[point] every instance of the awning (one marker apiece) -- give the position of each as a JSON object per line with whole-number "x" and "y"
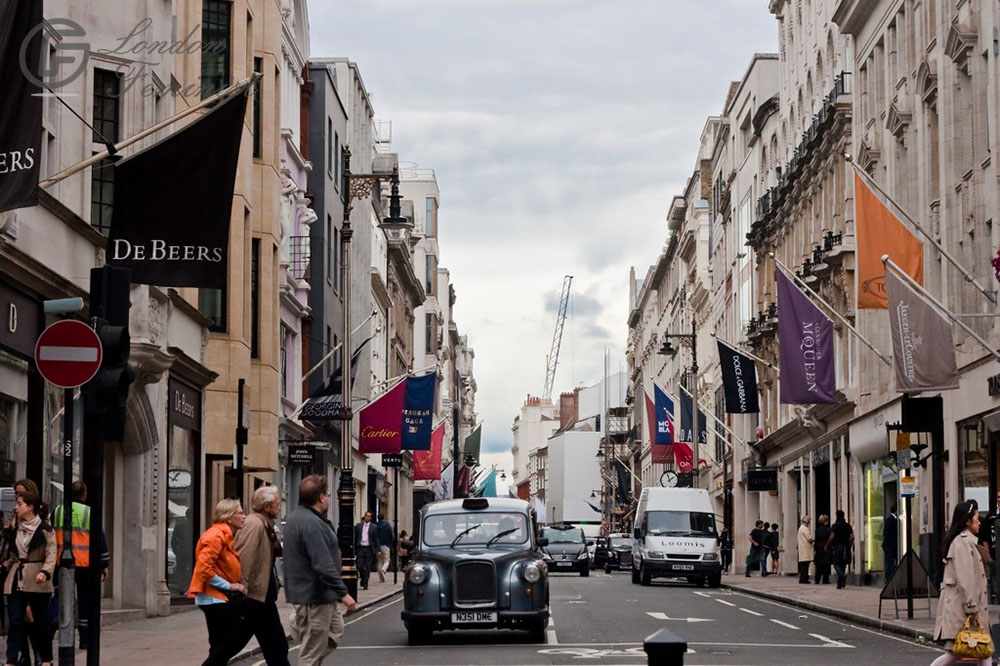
{"x": 869, "y": 438}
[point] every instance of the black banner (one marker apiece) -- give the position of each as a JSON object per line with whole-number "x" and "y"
{"x": 687, "y": 433}
{"x": 173, "y": 202}
{"x": 392, "y": 460}
{"x": 739, "y": 380}
{"x": 20, "y": 103}
{"x": 301, "y": 455}
{"x": 762, "y": 480}
{"x": 326, "y": 402}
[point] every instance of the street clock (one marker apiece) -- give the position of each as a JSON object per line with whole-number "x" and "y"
{"x": 668, "y": 479}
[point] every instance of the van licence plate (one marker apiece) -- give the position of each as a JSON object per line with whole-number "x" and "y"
{"x": 474, "y": 617}
{"x": 683, "y": 567}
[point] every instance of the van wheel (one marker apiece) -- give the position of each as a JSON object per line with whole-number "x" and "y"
{"x": 715, "y": 580}
{"x": 585, "y": 573}
{"x": 644, "y": 577}
{"x": 700, "y": 582}
{"x": 635, "y": 576}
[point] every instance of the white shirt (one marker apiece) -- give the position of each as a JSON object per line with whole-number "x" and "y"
{"x": 364, "y": 533}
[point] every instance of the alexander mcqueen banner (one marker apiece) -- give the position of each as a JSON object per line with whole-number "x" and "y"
{"x": 173, "y": 203}
{"x": 381, "y": 422}
{"x": 923, "y": 351}
{"x": 805, "y": 348}
{"x": 739, "y": 381}
{"x": 418, "y": 410}
{"x": 662, "y": 448}
{"x": 20, "y": 103}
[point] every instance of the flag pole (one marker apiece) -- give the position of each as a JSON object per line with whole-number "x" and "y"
{"x": 817, "y": 297}
{"x": 740, "y": 350}
{"x": 991, "y": 295}
{"x": 720, "y": 423}
{"x": 104, "y": 154}
{"x": 920, "y": 290}
{"x": 333, "y": 350}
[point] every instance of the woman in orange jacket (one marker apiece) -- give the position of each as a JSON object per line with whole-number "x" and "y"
{"x": 216, "y": 579}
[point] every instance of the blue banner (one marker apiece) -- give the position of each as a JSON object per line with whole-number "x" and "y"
{"x": 418, "y": 412}
{"x": 664, "y": 417}
{"x": 687, "y": 435}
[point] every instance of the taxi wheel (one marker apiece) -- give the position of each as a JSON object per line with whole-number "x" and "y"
{"x": 635, "y": 576}
{"x": 416, "y": 635}
{"x": 607, "y": 569}
{"x": 585, "y": 573}
{"x": 536, "y": 634}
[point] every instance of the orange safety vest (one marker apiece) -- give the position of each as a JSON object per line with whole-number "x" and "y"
{"x": 80, "y": 526}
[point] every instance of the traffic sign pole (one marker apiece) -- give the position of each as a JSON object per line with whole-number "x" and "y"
{"x": 66, "y": 562}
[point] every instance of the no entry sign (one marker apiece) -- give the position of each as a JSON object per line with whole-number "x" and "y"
{"x": 68, "y": 353}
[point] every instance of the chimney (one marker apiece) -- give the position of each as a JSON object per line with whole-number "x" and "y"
{"x": 567, "y": 409}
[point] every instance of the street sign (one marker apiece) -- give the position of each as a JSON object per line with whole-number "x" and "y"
{"x": 907, "y": 486}
{"x": 904, "y": 458}
{"x": 392, "y": 460}
{"x": 68, "y": 353}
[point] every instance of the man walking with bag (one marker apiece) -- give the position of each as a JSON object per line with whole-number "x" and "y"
{"x": 312, "y": 574}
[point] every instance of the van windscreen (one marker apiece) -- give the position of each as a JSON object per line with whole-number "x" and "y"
{"x": 680, "y": 523}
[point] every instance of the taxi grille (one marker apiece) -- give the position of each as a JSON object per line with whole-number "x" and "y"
{"x": 474, "y": 583}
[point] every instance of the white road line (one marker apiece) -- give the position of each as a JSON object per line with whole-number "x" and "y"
{"x": 723, "y": 601}
{"x": 703, "y": 594}
{"x": 784, "y": 624}
{"x": 656, "y": 616}
{"x": 830, "y": 641}
{"x": 550, "y": 633}
{"x": 747, "y": 610}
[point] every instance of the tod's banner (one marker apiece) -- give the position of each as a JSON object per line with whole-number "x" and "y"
{"x": 173, "y": 202}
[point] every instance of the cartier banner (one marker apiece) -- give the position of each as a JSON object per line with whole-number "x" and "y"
{"x": 173, "y": 202}
{"x": 20, "y": 104}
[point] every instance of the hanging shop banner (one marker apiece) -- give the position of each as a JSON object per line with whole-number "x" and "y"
{"x": 301, "y": 455}
{"x": 805, "y": 348}
{"x": 427, "y": 464}
{"x": 173, "y": 202}
{"x": 324, "y": 404}
{"x": 381, "y": 422}
{"x": 21, "y": 103}
{"x": 472, "y": 445}
{"x": 662, "y": 417}
{"x": 739, "y": 381}
{"x": 762, "y": 480}
{"x": 418, "y": 411}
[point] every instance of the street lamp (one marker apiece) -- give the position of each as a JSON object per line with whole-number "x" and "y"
{"x": 669, "y": 350}
{"x": 358, "y": 186}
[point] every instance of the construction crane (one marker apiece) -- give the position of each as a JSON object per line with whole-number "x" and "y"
{"x": 553, "y": 358}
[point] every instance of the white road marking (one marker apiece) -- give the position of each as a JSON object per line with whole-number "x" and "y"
{"x": 663, "y": 616}
{"x": 830, "y": 641}
{"x": 747, "y": 610}
{"x": 723, "y": 601}
{"x": 53, "y": 353}
{"x": 703, "y": 594}
{"x": 550, "y": 633}
{"x": 784, "y": 624}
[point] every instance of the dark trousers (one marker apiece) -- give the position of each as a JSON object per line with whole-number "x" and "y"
{"x": 753, "y": 558}
{"x": 840, "y": 562}
{"x": 261, "y": 619}
{"x": 804, "y": 572}
{"x": 890, "y": 563}
{"x": 84, "y": 583}
{"x": 727, "y": 559}
{"x": 822, "y": 573}
{"x": 36, "y": 631}
{"x": 763, "y": 561}
{"x": 365, "y": 563}
{"x": 223, "y": 633}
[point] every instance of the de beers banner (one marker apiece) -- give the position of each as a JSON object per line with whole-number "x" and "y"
{"x": 20, "y": 104}
{"x": 805, "y": 348}
{"x": 922, "y": 348}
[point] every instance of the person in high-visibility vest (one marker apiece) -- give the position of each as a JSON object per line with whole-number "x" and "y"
{"x": 80, "y": 547}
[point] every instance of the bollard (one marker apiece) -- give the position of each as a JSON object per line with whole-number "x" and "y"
{"x": 664, "y": 648}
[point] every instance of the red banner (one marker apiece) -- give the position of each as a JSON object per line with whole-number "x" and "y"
{"x": 381, "y": 422}
{"x": 684, "y": 456}
{"x": 427, "y": 464}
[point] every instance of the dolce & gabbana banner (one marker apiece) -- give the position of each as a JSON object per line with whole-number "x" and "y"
{"x": 20, "y": 104}
{"x": 739, "y": 381}
{"x": 805, "y": 348}
{"x": 173, "y": 202}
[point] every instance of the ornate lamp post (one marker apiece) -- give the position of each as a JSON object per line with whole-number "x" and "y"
{"x": 358, "y": 186}
{"x": 669, "y": 350}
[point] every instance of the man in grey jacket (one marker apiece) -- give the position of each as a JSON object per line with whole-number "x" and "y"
{"x": 312, "y": 574}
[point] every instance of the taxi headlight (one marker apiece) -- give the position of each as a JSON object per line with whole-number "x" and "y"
{"x": 417, "y": 574}
{"x": 582, "y": 556}
{"x": 531, "y": 573}
{"x": 711, "y": 557}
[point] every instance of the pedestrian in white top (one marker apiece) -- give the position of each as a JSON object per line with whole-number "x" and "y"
{"x": 805, "y": 539}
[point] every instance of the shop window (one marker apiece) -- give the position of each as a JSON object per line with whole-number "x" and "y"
{"x": 182, "y": 519}
{"x": 975, "y": 463}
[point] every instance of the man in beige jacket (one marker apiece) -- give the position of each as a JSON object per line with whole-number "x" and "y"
{"x": 258, "y": 546}
{"x": 805, "y": 542}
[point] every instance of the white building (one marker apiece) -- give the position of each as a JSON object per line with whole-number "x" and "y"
{"x": 538, "y": 420}
{"x": 574, "y": 474}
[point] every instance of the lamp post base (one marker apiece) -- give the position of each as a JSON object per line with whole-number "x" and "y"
{"x": 346, "y": 495}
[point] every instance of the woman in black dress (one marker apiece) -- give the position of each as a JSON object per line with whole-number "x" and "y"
{"x": 822, "y": 557}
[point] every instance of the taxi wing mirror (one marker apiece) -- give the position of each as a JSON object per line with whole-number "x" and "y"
{"x": 542, "y": 542}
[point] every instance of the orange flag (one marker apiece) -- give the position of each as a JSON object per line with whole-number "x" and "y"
{"x": 879, "y": 232}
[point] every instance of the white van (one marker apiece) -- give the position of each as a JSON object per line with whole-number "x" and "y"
{"x": 675, "y": 537}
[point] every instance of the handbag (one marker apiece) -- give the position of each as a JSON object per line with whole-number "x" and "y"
{"x": 972, "y": 640}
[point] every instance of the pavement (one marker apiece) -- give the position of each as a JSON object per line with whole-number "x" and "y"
{"x": 604, "y": 619}
{"x": 856, "y": 603}
{"x": 181, "y": 638}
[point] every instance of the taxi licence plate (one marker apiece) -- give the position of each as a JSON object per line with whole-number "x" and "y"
{"x": 564, "y": 564}
{"x": 474, "y": 617}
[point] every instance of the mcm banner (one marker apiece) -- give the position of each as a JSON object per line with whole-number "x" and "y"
{"x": 662, "y": 450}
{"x": 923, "y": 351}
{"x": 173, "y": 201}
{"x": 805, "y": 348}
{"x": 739, "y": 381}
{"x": 21, "y": 102}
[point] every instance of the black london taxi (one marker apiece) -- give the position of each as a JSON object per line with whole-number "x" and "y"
{"x": 476, "y": 565}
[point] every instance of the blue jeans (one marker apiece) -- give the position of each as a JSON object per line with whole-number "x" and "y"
{"x": 763, "y": 561}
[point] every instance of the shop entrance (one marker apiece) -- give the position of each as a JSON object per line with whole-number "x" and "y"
{"x": 821, "y": 483}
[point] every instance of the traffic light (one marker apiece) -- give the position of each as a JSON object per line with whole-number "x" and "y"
{"x": 107, "y": 392}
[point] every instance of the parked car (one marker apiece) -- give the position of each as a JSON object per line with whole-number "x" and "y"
{"x": 566, "y": 549}
{"x": 619, "y": 553}
{"x": 599, "y": 556}
{"x": 476, "y": 565}
{"x": 675, "y": 537}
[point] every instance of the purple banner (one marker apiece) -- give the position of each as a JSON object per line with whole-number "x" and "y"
{"x": 805, "y": 348}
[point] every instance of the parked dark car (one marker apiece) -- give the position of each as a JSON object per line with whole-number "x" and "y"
{"x": 600, "y": 553}
{"x": 476, "y": 565}
{"x": 566, "y": 549}
{"x": 619, "y": 553}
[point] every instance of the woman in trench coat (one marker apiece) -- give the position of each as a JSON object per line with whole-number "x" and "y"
{"x": 963, "y": 587}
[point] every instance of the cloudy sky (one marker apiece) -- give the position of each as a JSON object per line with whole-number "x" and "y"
{"x": 559, "y": 130}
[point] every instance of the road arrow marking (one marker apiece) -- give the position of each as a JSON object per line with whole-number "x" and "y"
{"x": 784, "y": 624}
{"x": 747, "y": 610}
{"x": 829, "y": 642}
{"x": 663, "y": 616}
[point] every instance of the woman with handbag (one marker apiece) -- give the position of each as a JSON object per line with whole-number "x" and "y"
{"x": 963, "y": 608}
{"x": 215, "y": 583}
